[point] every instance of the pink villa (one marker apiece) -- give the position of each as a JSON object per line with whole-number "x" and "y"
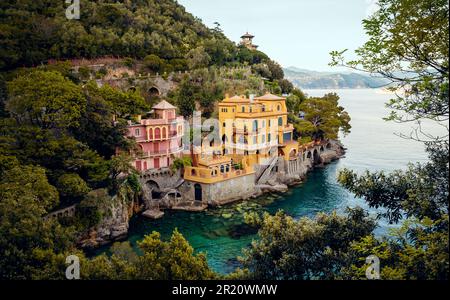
{"x": 159, "y": 138}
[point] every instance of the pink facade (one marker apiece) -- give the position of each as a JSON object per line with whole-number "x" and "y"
{"x": 159, "y": 138}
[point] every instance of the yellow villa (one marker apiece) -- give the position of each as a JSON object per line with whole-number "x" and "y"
{"x": 256, "y": 128}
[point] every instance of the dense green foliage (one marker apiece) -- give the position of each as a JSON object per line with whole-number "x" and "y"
{"x": 317, "y": 248}
{"x": 32, "y": 32}
{"x": 321, "y": 118}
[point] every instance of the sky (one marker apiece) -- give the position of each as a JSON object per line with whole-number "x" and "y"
{"x": 298, "y": 33}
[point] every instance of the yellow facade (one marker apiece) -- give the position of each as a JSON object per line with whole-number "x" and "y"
{"x": 217, "y": 169}
{"x": 256, "y": 128}
{"x": 253, "y": 132}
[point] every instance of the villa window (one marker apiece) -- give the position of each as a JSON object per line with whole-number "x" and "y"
{"x": 263, "y": 108}
{"x": 137, "y": 132}
{"x": 279, "y": 107}
{"x": 280, "y": 121}
{"x": 222, "y": 169}
{"x": 224, "y": 124}
{"x": 227, "y": 168}
{"x": 243, "y": 108}
{"x": 251, "y": 109}
{"x": 269, "y": 137}
{"x": 263, "y": 138}
{"x": 255, "y": 140}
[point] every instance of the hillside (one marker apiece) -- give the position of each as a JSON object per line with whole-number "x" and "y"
{"x": 33, "y": 32}
{"x": 307, "y": 79}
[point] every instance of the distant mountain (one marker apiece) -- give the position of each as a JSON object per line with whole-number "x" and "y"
{"x": 307, "y": 79}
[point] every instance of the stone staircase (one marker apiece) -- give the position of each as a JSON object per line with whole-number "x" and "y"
{"x": 265, "y": 176}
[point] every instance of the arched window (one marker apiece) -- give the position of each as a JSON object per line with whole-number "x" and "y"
{"x": 222, "y": 169}
{"x": 164, "y": 133}
{"x": 280, "y": 121}
{"x": 150, "y": 134}
{"x": 255, "y": 125}
{"x": 243, "y": 108}
{"x": 279, "y": 107}
{"x": 157, "y": 133}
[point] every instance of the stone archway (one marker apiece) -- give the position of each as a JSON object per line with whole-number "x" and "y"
{"x": 309, "y": 155}
{"x": 154, "y": 92}
{"x": 322, "y": 149}
{"x": 153, "y": 187}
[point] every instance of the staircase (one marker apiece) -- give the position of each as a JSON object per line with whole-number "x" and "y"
{"x": 265, "y": 176}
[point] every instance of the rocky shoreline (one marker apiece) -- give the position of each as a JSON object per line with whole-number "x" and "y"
{"x": 115, "y": 225}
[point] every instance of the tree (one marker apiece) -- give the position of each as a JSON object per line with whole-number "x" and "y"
{"x": 186, "y": 98}
{"x": 198, "y": 58}
{"x": 122, "y": 103}
{"x": 154, "y": 63}
{"x": 318, "y": 248}
{"x": 172, "y": 260}
{"x": 72, "y": 187}
{"x": 286, "y": 86}
{"x": 45, "y": 99}
{"x": 276, "y": 70}
{"x": 408, "y": 45}
{"x": 323, "y": 118}
{"x": 97, "y": 127}
{"x": 25, "y": 198}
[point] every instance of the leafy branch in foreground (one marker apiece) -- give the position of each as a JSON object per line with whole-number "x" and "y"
{"x": 408, "y": 44}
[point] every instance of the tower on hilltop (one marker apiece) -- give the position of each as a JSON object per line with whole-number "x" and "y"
{"x": 247, "y": 41}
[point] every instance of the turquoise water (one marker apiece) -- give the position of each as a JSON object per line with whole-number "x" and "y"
{"x": 373, "y": 145}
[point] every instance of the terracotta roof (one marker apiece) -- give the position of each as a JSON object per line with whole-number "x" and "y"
{"x": 236, "y": 99}
{"x": 164, "y": 105}
{"x": 268, "y": 97}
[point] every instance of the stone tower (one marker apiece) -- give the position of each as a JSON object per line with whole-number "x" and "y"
{"x": 247, "y": 41}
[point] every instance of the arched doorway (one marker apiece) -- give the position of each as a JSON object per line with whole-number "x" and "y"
{"x": 154, "y": 92}
{"x": 198, "y": 192}
{"x": 154, "y": 189}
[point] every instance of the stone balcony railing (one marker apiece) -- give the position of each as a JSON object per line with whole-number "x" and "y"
{"x": 165, "y": 152}
{"x": 207, "y": 175}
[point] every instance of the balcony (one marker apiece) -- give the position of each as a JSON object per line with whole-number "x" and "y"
{"x": 252, "y": 147}
{"x": 286, "y": 128}
{"x": 160, "y": 153}
{"x": 207, "y": 175}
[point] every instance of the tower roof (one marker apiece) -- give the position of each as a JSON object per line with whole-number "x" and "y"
{"x": 164, "y": 105}
{"x": 247, "y": 35}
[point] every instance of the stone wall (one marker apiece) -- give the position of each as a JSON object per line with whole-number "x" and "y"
{"x": 220, "y": 193}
